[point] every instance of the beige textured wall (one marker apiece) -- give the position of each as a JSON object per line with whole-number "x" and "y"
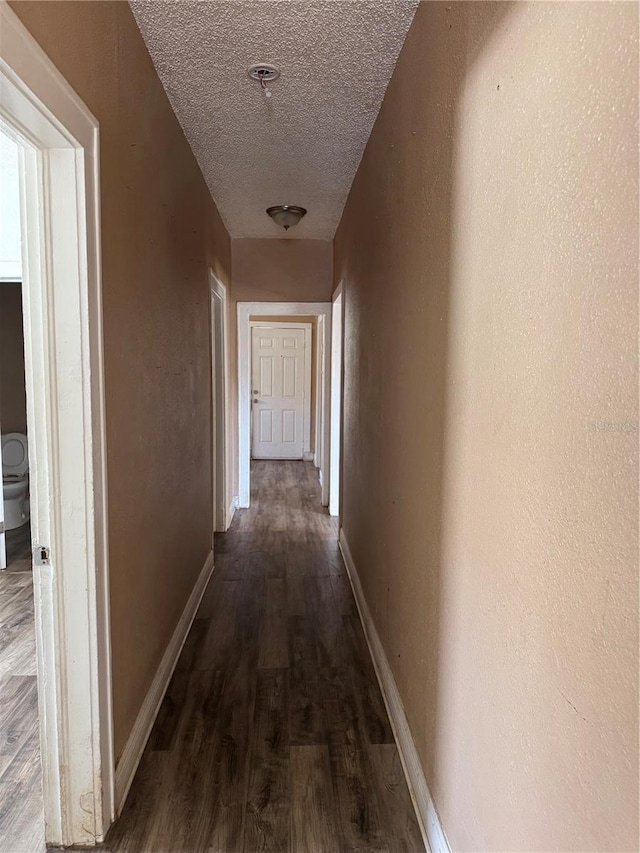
{"x": 489, "y": 252}
{"x": 282, "y": 270}
{"x": 13, "y": 402}
{"x": 160, "y": 231}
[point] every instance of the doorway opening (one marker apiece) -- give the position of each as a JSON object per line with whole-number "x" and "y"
{"x": 318, "y": 314}
{"x": 58, "y": 166}
{"x": 15, "y": 532}
{"x": 22, "y": 828}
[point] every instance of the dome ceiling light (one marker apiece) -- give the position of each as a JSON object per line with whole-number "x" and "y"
{"x": 286, "y": 214}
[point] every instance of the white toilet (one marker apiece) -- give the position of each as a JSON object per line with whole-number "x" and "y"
{"x": 15, "y": 479}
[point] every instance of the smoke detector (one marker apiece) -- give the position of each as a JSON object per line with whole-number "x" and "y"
{"x": 264, "y": 72}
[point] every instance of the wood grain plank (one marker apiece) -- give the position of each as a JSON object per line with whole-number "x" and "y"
{"x": 18, "y": 701}
{"x": 268, "y": 800}
{"x": 394, "y": 800}
{"x": 173, "y": 702}
{"x": 374, "y": 714}
{"x": 307, "y": 724}
{"x": 313, "y": 808}
{"x": 274, "y": 653}
{"x": 216, "y": 647}
{"x": 326, "y": 620}
{"x": 343, "y": 595}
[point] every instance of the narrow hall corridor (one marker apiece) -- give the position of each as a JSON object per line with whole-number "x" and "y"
{"x": 273, "y": 735}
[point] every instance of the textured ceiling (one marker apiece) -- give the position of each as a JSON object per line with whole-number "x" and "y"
{"x": 303, "y": 145}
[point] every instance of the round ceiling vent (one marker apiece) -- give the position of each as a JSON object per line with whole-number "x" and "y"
{"x": 264, "y": 72}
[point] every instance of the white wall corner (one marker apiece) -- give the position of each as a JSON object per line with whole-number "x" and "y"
{"x": 231, "y": 511}
{"x": 134, "y": 747}
{"x": 430, "y": 826}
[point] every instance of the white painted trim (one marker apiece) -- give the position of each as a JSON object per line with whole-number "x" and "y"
{"x": 324, "y": 383}
{"x": 317, "y": 455}
{"x": 232, "y": 510}
{"x": 308, "y": 456}
{"x": 220, "y": 426}
{"x": 64, "y": 374}
{"x": 430, "y": 826}
{"x": 308, "y": 337}
{"x": 256, "y": 309}
{"x": 134, "y": 747}
{"x": 337, "y": 338}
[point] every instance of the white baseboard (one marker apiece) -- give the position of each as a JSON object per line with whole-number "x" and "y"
{"x": 430, "y": 826}
{"x": 233, "y": 506}
{"x": 134, "y": 747}
{"x": 308, "y": 456}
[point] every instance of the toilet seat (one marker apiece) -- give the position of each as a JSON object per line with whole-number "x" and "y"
{"x": 15, "y": 456}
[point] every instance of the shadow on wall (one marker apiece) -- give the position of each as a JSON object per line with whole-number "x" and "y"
{"x": 485, "y": 524}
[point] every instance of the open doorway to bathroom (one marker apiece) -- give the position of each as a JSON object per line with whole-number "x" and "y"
{"x": 15, "y": 529}
{"x": 56, "y": 732}
{"x": 21, "y": 802}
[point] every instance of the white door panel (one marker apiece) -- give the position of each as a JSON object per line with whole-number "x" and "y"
{"x": 278, "y": 398}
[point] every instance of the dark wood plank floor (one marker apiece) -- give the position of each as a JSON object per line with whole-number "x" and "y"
{"x": 273, "y": 735}
{"x": 21, "y": 807}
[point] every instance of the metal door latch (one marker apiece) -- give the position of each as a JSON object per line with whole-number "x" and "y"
{"x": 41, "y": 556}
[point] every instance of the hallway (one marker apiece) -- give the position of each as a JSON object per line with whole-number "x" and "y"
{"x": 273, "y": 734}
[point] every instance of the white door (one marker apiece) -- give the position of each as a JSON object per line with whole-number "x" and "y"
{"x": 278, "y": 393}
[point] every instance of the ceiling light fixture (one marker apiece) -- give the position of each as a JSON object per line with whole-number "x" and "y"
{"x": 286, "y": 214}
{"x": 265, "y": 73}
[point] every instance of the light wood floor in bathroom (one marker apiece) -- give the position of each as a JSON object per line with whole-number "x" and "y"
{"x": 273, "y": 735}
{"x": 21, "y": 809}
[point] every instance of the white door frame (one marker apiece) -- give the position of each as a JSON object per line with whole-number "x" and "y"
{"x": 65, "y": 415}
{"x": 223, "y": 506}
{"x": 306, "y": 415}
{"x": 337, "y": 338}
{"x": 317, "y": 449}
{"x": 246, "y": 310}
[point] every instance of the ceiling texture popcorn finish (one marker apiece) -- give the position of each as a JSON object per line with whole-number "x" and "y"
{"x": 303, "y": 145}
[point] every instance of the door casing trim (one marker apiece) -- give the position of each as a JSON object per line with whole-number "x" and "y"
{"x": 64, "y": 371}
{"x": 337, "y": 356}
{"x": 220, "y": 428}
